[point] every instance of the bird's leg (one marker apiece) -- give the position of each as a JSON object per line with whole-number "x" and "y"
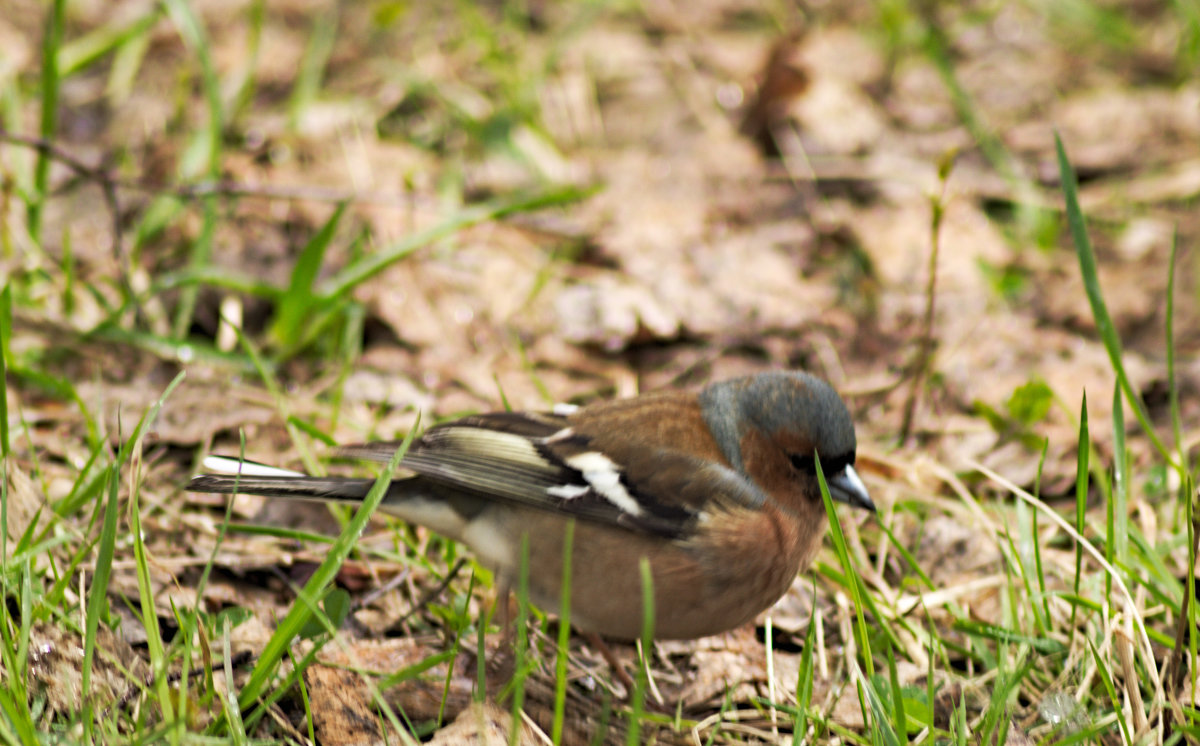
{"x": 501, "y": 664}
{"x": 504, "y": 599}
{"x": 613, "y": 662}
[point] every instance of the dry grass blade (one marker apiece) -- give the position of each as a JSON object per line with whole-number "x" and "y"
{"x": 1132, "y": 610}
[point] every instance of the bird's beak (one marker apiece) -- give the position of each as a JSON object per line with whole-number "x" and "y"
{"x": 846, "y": 487}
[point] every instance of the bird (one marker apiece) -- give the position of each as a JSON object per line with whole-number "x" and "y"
{"x": 716, "y": 489}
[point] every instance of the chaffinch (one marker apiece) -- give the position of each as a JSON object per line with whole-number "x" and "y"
{"x": 717, "y": 489}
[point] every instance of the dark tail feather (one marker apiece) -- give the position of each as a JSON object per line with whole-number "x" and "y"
{"x": 312, "y": 488}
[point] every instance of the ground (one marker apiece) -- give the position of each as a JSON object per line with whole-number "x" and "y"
{"x": 337, "y": 221}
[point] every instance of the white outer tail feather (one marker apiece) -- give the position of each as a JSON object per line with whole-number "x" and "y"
{"x": 226, "y": 465}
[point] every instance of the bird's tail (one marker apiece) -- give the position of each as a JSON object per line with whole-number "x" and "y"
{"x": 413, "y": 500}
{"x": 250, "y": 478}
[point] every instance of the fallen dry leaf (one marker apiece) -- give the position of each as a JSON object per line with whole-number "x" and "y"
{"x": 56, "y": 668}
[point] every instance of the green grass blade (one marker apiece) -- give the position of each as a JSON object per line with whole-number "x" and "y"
{"x": 1193, "y": 616}
{"x": 879, "y": 726}
{"x": 1091, "y": 283}
{"x": 1106, "y": 678}
{"x": 222, "y": 531}
{"x": 900, "y": 719}
{"x": 273, "y": 652}
{"x": 310, "y": 430}
{"x": 938, "y": 49}
{"x": 85, "y": 51}
{"x": 481, "y": 626}
{"x": 641, "y": 683}
{"x": 804, "y": 678}
{"x": 173, "y": 350}
{"x": 6, "y": 326}
{"x": 960, "y": 729}
{"x": 522, "y": 646}
{"x": 1081, "y": 490}
{"x": 16, "y": 710}
{"x": 1016, "y": 562}
{"x": 5, "y": 335}
{"x": 1037, "y": 544}
{"x": 51, "y": 43}
{"x": 126, "y": 63}
{"x": 857, "y": 593}
{"x": 1043, "y": 645}
{"x": 564, "y": 638}
{"x": 98, "y": 593}
{"x": 242, "y": 79}
{"x": 217, "y": 277}
{"x": 415, "y": 670}
{"x": 149, "y": 615}
{"x": 291, "y": 534}
{"x": 909, "y": 559}
{"x": 312, "y": 68}
{"x": 26, "y": 619}
{"x": 282, "y": 405}
{"x": 186, "y": 624}
{"x": 192, "y": 32}
{"x": 1172, "y": 383}
{"x": 297, "y": 303}
{"x": 1117, "y": 546}
{"x": 997, "y": 714}
{"x": 372, "y": 264}
{"x": 229, "y": 707}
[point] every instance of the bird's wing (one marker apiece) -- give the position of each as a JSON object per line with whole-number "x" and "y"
{"x": 542, "y": 461}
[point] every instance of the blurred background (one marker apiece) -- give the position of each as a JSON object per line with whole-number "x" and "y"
{"x": 337, "y": 217}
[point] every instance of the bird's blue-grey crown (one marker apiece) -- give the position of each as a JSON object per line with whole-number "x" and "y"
{"x": 777, "y": 401}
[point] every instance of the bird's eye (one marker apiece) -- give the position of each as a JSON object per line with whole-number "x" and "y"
{"x": 803, "y": 463}
{"x": 807, "y": 464}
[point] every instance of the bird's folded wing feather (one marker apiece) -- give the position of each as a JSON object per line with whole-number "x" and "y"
{"x": 540, "y": 461}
